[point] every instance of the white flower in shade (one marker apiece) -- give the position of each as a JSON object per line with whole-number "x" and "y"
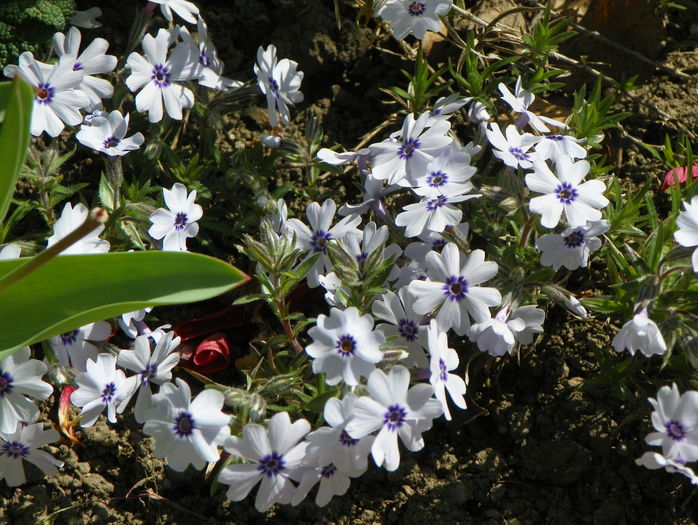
{"x": 478, "y": 114}
{"x": 58, "y": 98}
{"x": 444, "y": 107}
{"x": 403, "y": 324}
{"x": 572, "y": 247}
{"x": 108, "y": 135}
{"x": 453, "y": 289}
{"x": 519, "y": 101}
{"x": 414, "y": 16}
{"x": 178, "y": 223}
{"x": 374, "y": 191}
{"x": 156, "y": 76}
{"x": 499, "y": 334}
{"x": 87, "y": 19}
{"x": 512, "y": 150}
{"x": 372, "y": 239}
{"x": 675, "y": 419}
{"x": 653, "y": 460}
{"x": 275, "y": 457}
{"x": 92, "y": 61}
{"x": 314, "y": 239}
{"x": 533, "y": 318}
{"x": 432, "y": 214}
{"x": 431, "y": 241}
{"x": 280, "y": 81}
{"x": 555, "y": 146}
{"x": 333, "y": 481}
{"x": 102, "y": 386}
{"x": 75, "y": 348}
{"x": 10, "y": 251}
{"x": 20, "y": 376}
{"x": 394, "y": 411}
{"x": 687, "y": 233}
{"x": 279, "y": 218}
{"x": 442, "y": 360}
{"x": 184, "y": 9}
{"x": 345, "y": 346}
{"x": 403, "y": 161}
{"x": 447, "y": 174}
{"x": 151, "y": 367}
{"x": 581, "y": 201}
{"x": 640, "y": 333}
{"x": 22, "y": 444}
{"x": 185, "y": 431}
{"x": 71, "y": 218}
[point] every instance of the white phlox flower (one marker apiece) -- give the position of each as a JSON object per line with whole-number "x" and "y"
{"x": 58, "y": 99}
{"x": 403, "y": 161}
{"x": 372, "y": 238}
{"x": 653, "y": 460}
{"x": 675, "y": 419}
{"x": 155, "y": 76}
{"x": 23, "y": 444}
{"x": 687, "y": 233}
{"x": 403, "y": 324}
{"x": 512, "y": 150}
{"x": 533, "y": 318}
{"x": 92, "y": 61}
{"x": 280, "y": 81}
{"x": 374, "y": 191}
{"x": 186, "y": 10}
{"x": 132, "y": 324}
{"x": 453, "y": 289}
{"x": 432, "y": 214}
{"x": 10, "y": 251}
{"x": 640, "y": 333}
{"x": 444, "y": 107}
{"x": 187, "y": 431}
{"x": 279, "y": 218}
{"x": 71, "y": 218}
{"x": 581, "y": 201}
{"x": 314, "y": 239}
{"x": 431, "y": 241}
{"x": 448, "y": 174}
{"x": 499, "y": 334}
{"x": 108, "y": 135}
{"x": 572, "y": 247}
{"x": 394, "y": 411}
{"x": 178, "y": 223}
{"x": 276, "y": 456}
{"x": 87, "y": 19}
{"x": 20, "y": 377}
{"x": 519, "y": 101}
{"x": 555, "y": 146}
{"x": 75, "y": 348}
{"x": 102, "y": 386}
{"x": 151, "y": 367}
{"x": 414, "y": 16}
{"x": 345, "y": 346}
{"x": 478, "y": 114}
{"x": 442, "y": 360}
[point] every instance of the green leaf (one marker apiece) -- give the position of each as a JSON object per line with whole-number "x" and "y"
{"x": 73, "y": 290}
{"x": 16, "y": 105}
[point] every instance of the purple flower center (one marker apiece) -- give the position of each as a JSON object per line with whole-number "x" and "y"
{"x": 271, "y": 464}
{"x": 5, "y": 383}
{"x": 566, "y": 193}
{"x": 574, "y": 239}
{"x": 346, "y": 440}
{"x": 555, "y": 137}
{"x": 394, "y": 417}
{"x": 148, "y": 373}
{"x": 328, "y": 471}
{"x": 438, "y": 244}
{"x": 77, "y": 66}
{"x": 416, "y": 8}
{"x": 111, "y": 142}
{"x": 518, "y": 154}
{"x": 437, "y": 178}
{"x": 180, "y": 221}
{"x": 675, "y": 430}
{"x": 273, "y": 87}
{"x": 69, "y": 338}
{"x": 183, "y": 425}
{"x": 44, "y": 93}
{"x": 443, "y": 371}
{"x": 455, "y": 288}
{"x": 408, "y": 329}
{"x": 438, "y": 202}
{"x": 319, "y": 241}
{"x": 346, "y": 345}
{"x": 161, "y": 75}
{"x": 14, "y": 449}
{"x": 408, "y": 148}
{"x": 108, "y": 393}
{"x": 203, "y": 58}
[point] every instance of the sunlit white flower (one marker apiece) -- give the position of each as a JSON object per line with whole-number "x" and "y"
{"x": 499, "y": 334}
{"x": 572, "y": 247}
{"x": 403, "y": 324}
{"x": 333, "y": 480}
{"x": 581, "y": 201}
{"x": 275, "y": 457}
{"x": 448, "y": 174}
{"x": 432, "y": 214}
{"x": 75, "y": 348}
{"x": 453, "y": 289}
{"x": 280, "y": 81}
{"x": 58, "y": 98}
{"x": 102, "y": 386}
{"x": 519, "y": 101}
{"x": 512, "y": 150}
{"x": 185, "y": 431}
{"x": 108, "y": 135}
{"x": 533, "y": 318}
{"x": 20, "y": 376}
{"x": 675, "y": 419}
{"x": 640, "y": 333}
{"x": 653, "y": 460}
{"x": 555, "y": 146}
{"x": 184, "y": 9}
{"x": 132, "y": 323}
{"x": 373, "y": 239}
{"x": 687, "y": 233}
{"x": 156, "y": 76}
{"x": 444, "y": 107}
{"x": 22, "y": 444}
{"x": 345, "y": 346}
{"x": 10, "y": 251}
{"x": 178, "y": 223}
{"x": 478, "y": 114}
{"x": 442, "y": 360}
{"x": 414, "y": 16}
{"x": 92, "y": 61}
{"x": 394, "y": 410}
{"x": 71, "y": 218}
